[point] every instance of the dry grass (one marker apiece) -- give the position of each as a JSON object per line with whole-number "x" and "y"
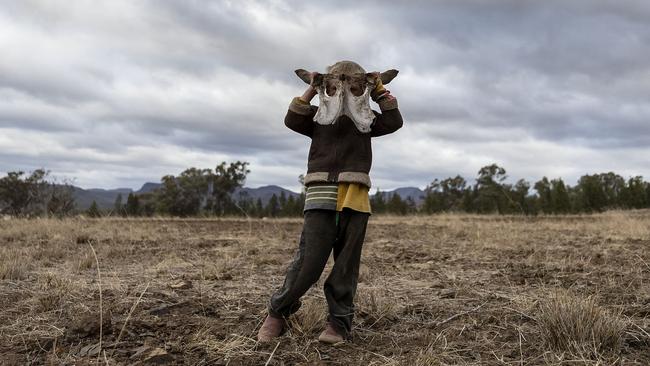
{"x": 375, "y": 306}
{"x": 310, "y": 319}
{"x": 52, "y": 291}
{"x": 13, "y": 266}
{"x": 438, "y": 353}
{"x": 433, "y": 290}
{"x": 579, "y": 327}
{"x": 232, "y": 346}
{"x": 220, "y": 268}
{"x": 87, "y": 261}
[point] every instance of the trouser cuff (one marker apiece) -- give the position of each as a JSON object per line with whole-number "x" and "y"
{"x": 285, "y": 312}
{"x": 340, "y": 327}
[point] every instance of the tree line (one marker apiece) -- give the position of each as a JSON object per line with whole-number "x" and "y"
{"x": 210, "y": 192}
{"x": 36, "y": 194}
{"x": 203, "y": 192}
{"x": 490, "y": 194}
{"x": 194, "y": 192}
{"x": 158, "y": 203}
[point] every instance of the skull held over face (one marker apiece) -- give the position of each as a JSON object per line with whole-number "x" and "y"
{"x": 345, "y": 90}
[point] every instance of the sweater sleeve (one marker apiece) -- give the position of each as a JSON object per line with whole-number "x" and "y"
{"x": 300, "y": 117}
{"x": 386, "y": 122}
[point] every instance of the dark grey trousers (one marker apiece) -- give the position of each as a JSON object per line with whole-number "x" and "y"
{"x": 322, "y": 234}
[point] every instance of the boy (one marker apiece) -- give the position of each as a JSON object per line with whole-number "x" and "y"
{"x": 337, "y": 183}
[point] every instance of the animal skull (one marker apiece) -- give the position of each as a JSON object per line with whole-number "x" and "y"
{"x": 345, "y": 90}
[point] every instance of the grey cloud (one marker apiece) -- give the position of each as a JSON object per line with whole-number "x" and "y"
{"x": 106, "y": 81}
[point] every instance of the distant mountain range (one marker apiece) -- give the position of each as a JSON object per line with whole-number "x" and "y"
{"x": 105, "y": 198}
{"x": 416, "y": 194}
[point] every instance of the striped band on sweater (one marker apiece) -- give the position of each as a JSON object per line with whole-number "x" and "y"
{"x": 321, "y": 196}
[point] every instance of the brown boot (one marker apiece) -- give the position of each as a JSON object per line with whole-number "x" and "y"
{"x": 271, "y": 328}
{"x": 330, "y": 335}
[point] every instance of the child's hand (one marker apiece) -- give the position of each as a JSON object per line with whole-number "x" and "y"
{"x": 311, "y": 92}
{"x": 379, "y": 89}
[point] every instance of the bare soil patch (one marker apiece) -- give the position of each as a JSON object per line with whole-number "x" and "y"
{"x": 434, "y": 290}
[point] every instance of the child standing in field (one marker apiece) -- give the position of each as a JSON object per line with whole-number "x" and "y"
{"x": 337, "y": 183}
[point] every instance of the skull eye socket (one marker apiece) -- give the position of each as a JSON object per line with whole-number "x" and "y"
{"x": 355, "y": 84}
{"x": 357, "y": 88}
{"x": 330, "y": 87}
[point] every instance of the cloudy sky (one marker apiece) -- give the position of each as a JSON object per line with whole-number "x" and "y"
{"x": 117, "y": 93}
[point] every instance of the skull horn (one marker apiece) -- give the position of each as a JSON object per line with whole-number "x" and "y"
{"x": 304, "y": 75}
{"x": 388, "y": 76}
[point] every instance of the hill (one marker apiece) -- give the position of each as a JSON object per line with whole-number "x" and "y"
{"x": 105, "y": 198}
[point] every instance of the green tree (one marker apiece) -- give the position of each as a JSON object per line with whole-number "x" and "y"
{"x": 132, "y": 205}
{"x": 453, "y": 190}
{"x": 225, "y": 180}
{"x": 490, "y": 193}
{"x": 33, "y": 195}
{"x": 635, "y": 193}
{"x": 592, "y": 195}
{"x": 194, "y": 186}
{"x": 299, "y": 204}
{"x": 245, "y": 204}
{"x": 259, "y": 208}
{"x": 187, "y": 194}
{"x": 169, "y": 197}
{"x": 23, "y": 196}
{"x": 273, "y": 206}
{"x": 560, "y": 200}
{"x": 377, "y": 202}
{"x": 518, "y": 197}
{"x": 93, "y": 210}
{"x": 60, "y": 200}
{"x": 612, "y": 184}
{"x": 290, "y": 208}
{"x": 434, "y": 200}
{"x": 544, "y": 198}
{"x": 147, "y": 203}
{"x": 411, "y": 206}
{"x": 396, "y": 205}
{"x": 445, "y": 195}
{"x": 118, "y": 207}
{"x": 282, "y": 202}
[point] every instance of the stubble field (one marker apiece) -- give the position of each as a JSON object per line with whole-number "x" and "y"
{"x": 433, "y": 290}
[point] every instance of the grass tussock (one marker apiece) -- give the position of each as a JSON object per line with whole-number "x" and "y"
{"x": 87, "y": 261}
{"x": 437, "y": 352}
{"x": 310, "y": 319}
{"x": 579, "y": 327}
{"x": 219, "y": 269}
{"x": 13, "y": 266}
{"x": 52, "y": 289}
{"x": 375, "y": 306}
{"x": 223, "y": 347}
{"x": 623, "y": 224}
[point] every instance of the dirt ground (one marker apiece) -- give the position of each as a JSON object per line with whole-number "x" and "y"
{"x": 433, "y": 290}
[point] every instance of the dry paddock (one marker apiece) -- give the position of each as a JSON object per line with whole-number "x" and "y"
{"x": 433, "y": 290}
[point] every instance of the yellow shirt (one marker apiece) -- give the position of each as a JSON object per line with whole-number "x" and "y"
{"x": 353, "y": 196}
